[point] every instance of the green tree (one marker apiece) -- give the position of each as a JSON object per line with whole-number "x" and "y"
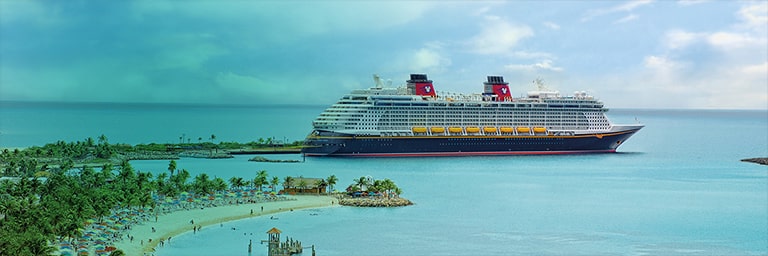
{"x": 274, "y": 182}
{"x": 331, "y": 180}
{"x": 363, "y": 183}
{"x": 236, "y": 182}
{"x": 319, "y": 184}
{"x": 261, "y": 179}
{"x": 172, "y": 167}
{"x": 288, "y": 182}
{"x": 202, "y": 184}
{"x": 219, "y": 184}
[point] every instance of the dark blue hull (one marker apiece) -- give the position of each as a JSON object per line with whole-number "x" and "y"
{"x": 336, "y": 144}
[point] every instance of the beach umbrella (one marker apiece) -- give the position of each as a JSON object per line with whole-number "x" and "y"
{"x": 110, "y": 248}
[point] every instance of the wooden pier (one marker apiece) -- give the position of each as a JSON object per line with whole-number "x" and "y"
{"x": 277, "y": 248}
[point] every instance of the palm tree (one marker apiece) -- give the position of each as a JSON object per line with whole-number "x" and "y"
{"x": 288, "y": 183}
{"x": 172, "y": 167}
{"x": 275, "y": 180}
{"x": 213, "y": 137}
{"x": 331, "y": 180}
{"x": 219, "y": 184}
{"x": 180, "y": 179}
{"x": 103, "y": 139}
{"x": 363, "y": 182}
{"x": 236, "y": 182}
{"x": 319, "y": 184}
{"x": 261, "y": 179}
{"x": 202, "y": 184}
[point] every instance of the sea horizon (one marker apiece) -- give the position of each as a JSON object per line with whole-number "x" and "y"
{"x": 677, "y": 187}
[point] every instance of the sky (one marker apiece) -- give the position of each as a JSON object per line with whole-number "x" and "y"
{"x": 629, "y": 54}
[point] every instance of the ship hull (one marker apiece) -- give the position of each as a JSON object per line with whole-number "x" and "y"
{"x": 324, "y": 143}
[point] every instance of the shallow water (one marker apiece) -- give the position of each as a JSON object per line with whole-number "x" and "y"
{"x": 676, "y": 188}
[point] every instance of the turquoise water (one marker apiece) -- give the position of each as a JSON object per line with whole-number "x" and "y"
{"x": 676, "y": 188}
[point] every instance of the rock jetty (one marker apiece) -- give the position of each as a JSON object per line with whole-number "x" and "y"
{"x": 374, "y": 202}
{"x": 759, "y": 160}
{"x": 264, "y": 159}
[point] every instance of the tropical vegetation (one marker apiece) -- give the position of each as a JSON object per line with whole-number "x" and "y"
{"x": 35, "y": 211}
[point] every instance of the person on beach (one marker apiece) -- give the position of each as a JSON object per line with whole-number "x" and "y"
{"x": 153, "y": 229}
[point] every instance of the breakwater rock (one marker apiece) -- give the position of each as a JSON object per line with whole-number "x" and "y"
{"x": 205, "y": 154}
{"x": 147, "y": 155}
{"x": 759, "y": 160}
{"x": 264, "y": 159}
{"x": 374, "y": 202}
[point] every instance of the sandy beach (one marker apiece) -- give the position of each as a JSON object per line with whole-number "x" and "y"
{"x": 178, "y": 222}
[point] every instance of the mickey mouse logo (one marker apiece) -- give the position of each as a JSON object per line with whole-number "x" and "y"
{"x": 504, "y": 91}
{"x": 427, "y": 89}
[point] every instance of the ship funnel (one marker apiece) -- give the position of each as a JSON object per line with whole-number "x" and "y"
{"x": 420, "y": 85}
{"x": 497, "y": 89}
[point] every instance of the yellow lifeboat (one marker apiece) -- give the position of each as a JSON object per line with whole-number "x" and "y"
{"x": 455, "y": 129}
{"x": 419, "y": 129}
{"x": 437, "y": 129}
{"x": 473, "y": 129}
{"x": 539, "y": 129}
{"x": 521, "y": 129}
{"x": 506, "y": 129}
{"x": 489, "y": 129}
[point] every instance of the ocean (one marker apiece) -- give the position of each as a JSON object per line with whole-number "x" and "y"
{"x": 677, "y": 187}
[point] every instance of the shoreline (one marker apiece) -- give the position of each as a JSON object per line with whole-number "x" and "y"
{"x": 177, "y": 223}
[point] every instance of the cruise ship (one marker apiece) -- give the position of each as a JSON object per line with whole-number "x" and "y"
{"x": 416, "y": 120}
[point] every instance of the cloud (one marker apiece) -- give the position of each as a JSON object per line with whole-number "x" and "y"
{"x": 625, "y": 7}
{"x": 542, "y": 65}
{"x": 625, "y": 19}
{"x": 498, "y": 36}
{"x": 676, "y": 39}
{"x": 551, "y": 25}
{"x": 754, "y": 16}
{"x": 428, "y": 59}
{"x": 691, "y": 2}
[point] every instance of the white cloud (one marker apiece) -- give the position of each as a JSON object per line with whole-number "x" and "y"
{"x": 677, "y": 39}
{"x": 755, "y": 16}
{"x": 627, "y": 18}
{"x": 532, "y": 55}
{"x": 661, "y": 63}
{"x": 625, "y": 7}
{"x": 498, "y": 36}
{"x": 428, "y": 59}
{"x": 691, "y": 2}
{"x": 730, "y": 40}
{"x": 551, "y": 25}
{"x": 542, "y": 65}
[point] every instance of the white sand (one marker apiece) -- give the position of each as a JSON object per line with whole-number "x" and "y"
{"x": 178, "y": 222}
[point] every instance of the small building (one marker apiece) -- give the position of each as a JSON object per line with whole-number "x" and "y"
{"x": 302, "y": 185}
